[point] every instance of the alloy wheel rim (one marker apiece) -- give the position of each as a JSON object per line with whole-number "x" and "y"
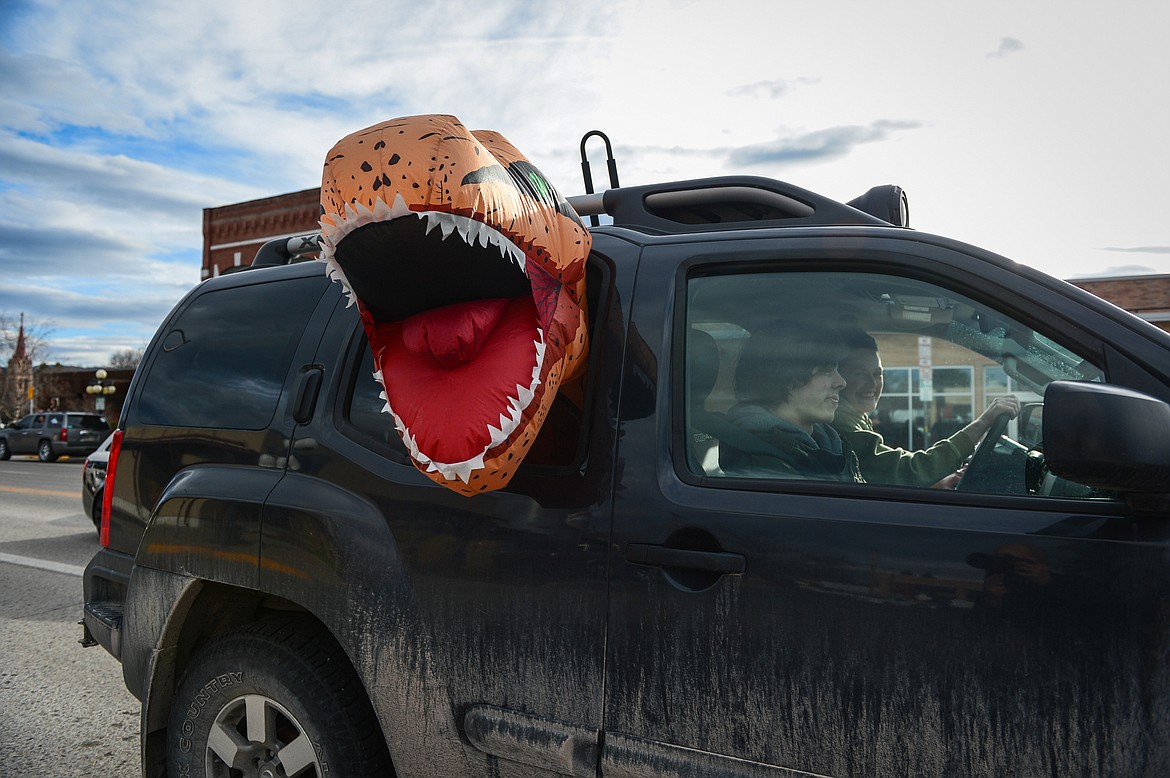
{"x": 255, "y": 736}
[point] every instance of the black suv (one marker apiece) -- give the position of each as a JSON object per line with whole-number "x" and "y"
{"x": 51, "y": 434}
{"x": 286, "y": 593}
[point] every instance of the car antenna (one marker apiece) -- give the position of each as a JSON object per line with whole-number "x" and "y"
{"x": 613, "y": 176}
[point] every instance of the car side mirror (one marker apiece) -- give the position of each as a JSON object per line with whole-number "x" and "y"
{"x": 1107, "y": 437}
{"x": 1031, "y": 424}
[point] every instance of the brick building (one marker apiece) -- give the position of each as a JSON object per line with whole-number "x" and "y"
{"x": 1146, "y": 296}
{"x": 233, "y": 233}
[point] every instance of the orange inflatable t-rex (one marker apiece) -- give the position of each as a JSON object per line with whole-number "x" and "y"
{"x": 468, "y": 270}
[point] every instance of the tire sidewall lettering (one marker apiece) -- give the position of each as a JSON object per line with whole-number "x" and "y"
{"x": 211, "y": 696}
{"x": 203, "y": 696}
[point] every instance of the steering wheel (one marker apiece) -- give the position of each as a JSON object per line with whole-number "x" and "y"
{"x": 980, "y": 464}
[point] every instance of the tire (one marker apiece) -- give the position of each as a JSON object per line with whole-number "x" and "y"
{"x": 45, "y": 451}
{"x": 4, "y": 452}
{"x": 96, "y": 510}
{"x": 316, "y": 718}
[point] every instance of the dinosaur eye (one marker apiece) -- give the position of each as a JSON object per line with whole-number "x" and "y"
{"x": 540, "y": 186}
{"x": 524, "y": 176}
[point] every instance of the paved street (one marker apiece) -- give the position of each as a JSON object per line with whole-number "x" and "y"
{"x": 64, "y": 710}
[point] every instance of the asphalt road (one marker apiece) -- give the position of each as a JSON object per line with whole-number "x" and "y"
{"x": 64, "y": 710}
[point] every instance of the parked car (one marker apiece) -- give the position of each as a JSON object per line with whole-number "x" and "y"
{"x": 286, "y": 592}
{"x": 51, "y": 434}
{"x": 93, "y": 481}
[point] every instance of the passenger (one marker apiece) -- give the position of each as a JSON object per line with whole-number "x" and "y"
{"x": 938, "y": 466}
{"x": 788, "y": 389}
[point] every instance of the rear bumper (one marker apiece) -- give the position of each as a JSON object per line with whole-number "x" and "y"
{"x": 75, "y": 449}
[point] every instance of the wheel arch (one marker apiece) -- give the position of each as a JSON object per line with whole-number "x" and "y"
{"x": 201, "y": 612}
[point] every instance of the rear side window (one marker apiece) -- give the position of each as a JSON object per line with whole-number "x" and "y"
{"x": 365, "y": 409}
{"x": 224, "y": 362}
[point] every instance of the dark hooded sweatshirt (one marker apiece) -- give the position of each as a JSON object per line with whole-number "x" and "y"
{"x": 791, "y": 452}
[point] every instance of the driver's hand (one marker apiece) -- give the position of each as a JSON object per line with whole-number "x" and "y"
{"x": 1008, "y": 405}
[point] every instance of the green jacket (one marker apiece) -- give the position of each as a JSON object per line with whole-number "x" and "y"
{"x": 882, "y": 464}
{"x": 786, "y": 450}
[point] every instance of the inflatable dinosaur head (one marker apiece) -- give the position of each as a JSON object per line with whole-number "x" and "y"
{"x": 468, "y": 270}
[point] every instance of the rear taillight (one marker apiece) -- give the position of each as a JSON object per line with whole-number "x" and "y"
{"x": 64, "y": 434}
{"x": 108, "y": 489}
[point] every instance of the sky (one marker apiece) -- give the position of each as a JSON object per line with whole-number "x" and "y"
{"x": 1037, "y": 130}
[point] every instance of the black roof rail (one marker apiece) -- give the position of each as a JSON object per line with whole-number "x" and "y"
{"x": 283, "y": 251}
{"x": 712, "y": 204}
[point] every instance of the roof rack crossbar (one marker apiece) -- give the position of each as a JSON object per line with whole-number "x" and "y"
{"x": 283, "y": 251}
{"x": 588, "y": 204}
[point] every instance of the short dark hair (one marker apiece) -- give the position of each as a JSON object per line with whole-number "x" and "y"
{"x": 783, "y": 356}
{"x": 859, "y": 339}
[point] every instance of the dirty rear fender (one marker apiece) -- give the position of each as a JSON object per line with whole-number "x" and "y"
{"x": 206, "y": 524}
{"x": 332, "y": 553}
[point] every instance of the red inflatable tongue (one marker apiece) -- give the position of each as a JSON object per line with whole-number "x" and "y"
{"x": 451, "y": 372}
{"x": 453, "y": 334}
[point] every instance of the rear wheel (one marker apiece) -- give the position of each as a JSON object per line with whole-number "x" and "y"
{"x": 4, "y": 452}
{"x": 274, "y": 699}
{"x": 45, "y": 451}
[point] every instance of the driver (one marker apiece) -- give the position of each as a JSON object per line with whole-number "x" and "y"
{"x": 938, "y": 466}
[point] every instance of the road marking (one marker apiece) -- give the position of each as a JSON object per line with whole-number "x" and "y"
{"x": 42, "y": 564}
{"x": 49, "y": 492}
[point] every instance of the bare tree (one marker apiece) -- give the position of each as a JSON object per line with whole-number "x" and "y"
{"x": 126, "y": 359}
{"x": 37, "y": 334}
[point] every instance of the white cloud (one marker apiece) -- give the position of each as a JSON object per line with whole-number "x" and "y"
{"x": 829, "y": 143}
{"x": 120, "y": 121}
{"x": 1007, "y": 47}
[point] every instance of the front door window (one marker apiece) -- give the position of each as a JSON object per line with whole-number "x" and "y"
{"x": 914, "y": 374}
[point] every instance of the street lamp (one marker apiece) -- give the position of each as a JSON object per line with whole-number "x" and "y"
{"x": 100, "y": 387}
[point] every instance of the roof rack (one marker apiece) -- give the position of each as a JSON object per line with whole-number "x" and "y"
{"x": 284, "y": 251}
{"x": 711, "y": 204}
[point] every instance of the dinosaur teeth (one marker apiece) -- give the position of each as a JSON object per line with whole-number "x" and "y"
{"x": 335, "y": 227}
{"x": 509, "y": 423}
{"x": 328, "y": 256}
{"x": 383, "y": 212}
{"x": 400, "y": 208}
{"x": 497, "y": 435}
{"x": 524, "y": 394}
{"x": 475, "y": 233}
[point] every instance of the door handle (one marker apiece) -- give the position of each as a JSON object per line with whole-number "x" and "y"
{"x": 665, "y": 556}
{"x": 305, "y": 395}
